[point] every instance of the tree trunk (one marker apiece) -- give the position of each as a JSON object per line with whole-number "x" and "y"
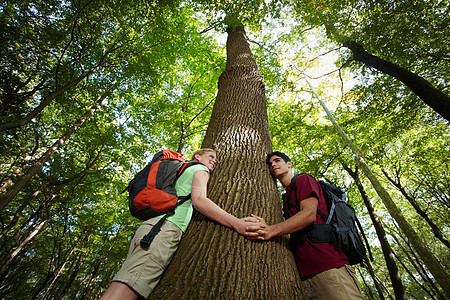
{"x": 11, "y": 257}
{"x": 214, "y": 262}
{"x": 72, "y": 278}
{"x": 394, "y": 274}
{"x": 87, "y": 287}
{"x": 436, "y": 230}
{"x": 433, "y": 97}
{"x": 59, "y": 270}
{"x": 379, "y": 285}
{"x": 435, "y": 267}
{"x": 426, "y": 284}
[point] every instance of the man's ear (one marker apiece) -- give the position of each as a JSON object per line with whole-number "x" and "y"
{"x": 196, "y": 157}
{"x": 289, "y": 164}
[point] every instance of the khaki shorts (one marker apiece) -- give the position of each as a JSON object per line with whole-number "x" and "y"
{"x": 338, "y": 283}
{"x": 143, "y": 268}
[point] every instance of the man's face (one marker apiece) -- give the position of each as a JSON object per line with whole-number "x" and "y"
{"x": 209, "y": 159}
{"x": 278, "y": 166}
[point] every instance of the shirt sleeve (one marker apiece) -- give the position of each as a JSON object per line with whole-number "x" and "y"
{"x": 307, "y": 186}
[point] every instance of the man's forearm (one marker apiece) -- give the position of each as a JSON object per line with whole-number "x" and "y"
{"x": 305, "y": 217}
{"x": 291, "y": 225}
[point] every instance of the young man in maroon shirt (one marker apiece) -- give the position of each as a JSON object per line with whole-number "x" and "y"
{"x": 325, "y": 271}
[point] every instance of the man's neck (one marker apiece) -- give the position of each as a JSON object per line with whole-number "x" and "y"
{"x": 286, "y": 179}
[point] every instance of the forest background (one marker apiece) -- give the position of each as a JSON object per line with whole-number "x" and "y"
{"x": 90, "y": 89}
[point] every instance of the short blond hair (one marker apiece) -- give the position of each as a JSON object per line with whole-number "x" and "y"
{"x": 202, "y": 151}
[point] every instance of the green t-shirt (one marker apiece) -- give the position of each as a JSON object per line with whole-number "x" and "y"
{"x": 183, "y": 186}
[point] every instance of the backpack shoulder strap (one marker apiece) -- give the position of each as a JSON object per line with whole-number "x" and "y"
{"x": 187, "y": 165}
{"x": 293, "y": 188}
{"x": 292, "y": 185}
{"x": 148, "y": 238}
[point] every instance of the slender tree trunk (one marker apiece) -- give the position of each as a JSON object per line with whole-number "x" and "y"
{"x": 86, "y": 288}
{"x": 436, "y": 230}
{"x": 57, "y": 273}
{"x": 413, "y": 277}
{"x": 71, "y": 280}
{"x": 394, "y": 274}
{"x": 31, "y": 216}
{"x": 19, "y": 249}
{"x": 435, "y": 267}
{"x": 8, "y": 180}
{"x": 46, "y": 101}
{"x": 214, "y": 262}
{"x": 37, "y": 166}
{"x": 378, "y": 283}
{"x": 433, "y": 97}
{"x": 415, "y": 261}
{"x": 368, "y": 288}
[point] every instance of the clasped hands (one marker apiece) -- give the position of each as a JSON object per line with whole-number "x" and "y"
{"x": 256, "y": 228}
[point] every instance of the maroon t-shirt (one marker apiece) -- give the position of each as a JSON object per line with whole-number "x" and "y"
{"x": 311, "y": 258}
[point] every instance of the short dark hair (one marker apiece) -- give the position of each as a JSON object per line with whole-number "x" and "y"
{"x": 277, "y": 153}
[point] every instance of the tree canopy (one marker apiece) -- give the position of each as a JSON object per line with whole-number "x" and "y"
{"x": 89, "y": 90}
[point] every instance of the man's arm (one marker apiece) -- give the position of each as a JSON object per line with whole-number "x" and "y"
{"x": 207, "y": 207}
{"x": 305, "y": 217}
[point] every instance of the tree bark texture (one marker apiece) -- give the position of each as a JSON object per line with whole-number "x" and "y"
{"x": 433, "y": 97}
{"x": 214, "y": 262}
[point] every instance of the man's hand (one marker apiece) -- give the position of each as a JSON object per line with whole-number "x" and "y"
{"x": 264, "y": 232}
{"x": 304, "y": 218}
{"x": 248, "y": 226}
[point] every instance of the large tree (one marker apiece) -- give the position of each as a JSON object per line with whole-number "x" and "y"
{"x": 213, "y": 261}
{"x": 165, "y": 65}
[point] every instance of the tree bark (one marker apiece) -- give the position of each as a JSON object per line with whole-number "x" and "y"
{"x": 214, "y": 262}
{"x": 433, "y": 97}
{"x": 394, "y": 274}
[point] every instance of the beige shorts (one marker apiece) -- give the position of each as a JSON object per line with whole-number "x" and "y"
{"x": 143, "y": 268}
{"x": 337, "y": 284}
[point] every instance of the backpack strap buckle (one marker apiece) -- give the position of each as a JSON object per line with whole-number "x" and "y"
{"x": 148, "y": 238}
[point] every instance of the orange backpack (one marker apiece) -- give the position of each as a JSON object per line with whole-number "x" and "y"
{"x": 152, "y": 191}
